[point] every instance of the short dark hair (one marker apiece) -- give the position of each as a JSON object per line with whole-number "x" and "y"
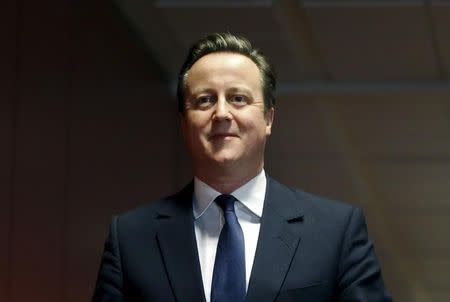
{"x": 227, "y": 42}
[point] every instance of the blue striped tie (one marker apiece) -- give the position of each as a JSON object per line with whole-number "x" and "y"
{"x": 228, "y": 284}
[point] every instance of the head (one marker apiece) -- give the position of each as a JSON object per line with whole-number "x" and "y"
{"x": 227, "y": 42}
{"x": 226, "y": 110}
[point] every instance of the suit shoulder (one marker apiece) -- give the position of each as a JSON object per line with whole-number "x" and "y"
{"x": 330, "y": 213}
{"x": 318, "y": 201}
{"x": 151, "y": 210}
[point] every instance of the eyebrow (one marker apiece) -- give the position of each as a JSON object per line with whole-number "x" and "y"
{"x": 211, "y": 90}
{"x": 200, "y": 91}
{"x": 241, "y": 89}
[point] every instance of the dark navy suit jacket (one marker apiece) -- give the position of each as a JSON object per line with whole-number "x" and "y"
{"x": 309, "y": 249}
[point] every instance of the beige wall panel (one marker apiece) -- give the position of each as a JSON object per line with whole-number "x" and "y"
{"x": 413, "y": 186}
{"x": 302, "y": 151}
{"x": 397, "y": 126}
{"x": 299, "y": 130}
{"x": 436, "y": 272}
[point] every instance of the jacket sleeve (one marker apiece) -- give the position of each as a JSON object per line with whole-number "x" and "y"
{"x": 360, "y": 278}
{"x": 109, "y": 281}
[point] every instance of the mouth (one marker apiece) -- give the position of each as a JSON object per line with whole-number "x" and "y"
{"x": 218, "y": 136}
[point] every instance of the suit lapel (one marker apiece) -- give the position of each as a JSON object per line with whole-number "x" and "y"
{"x": 279, "y": 237}
{"x": 176, "y": 239}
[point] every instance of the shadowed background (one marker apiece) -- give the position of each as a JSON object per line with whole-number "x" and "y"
{"x": 89, "y": 127}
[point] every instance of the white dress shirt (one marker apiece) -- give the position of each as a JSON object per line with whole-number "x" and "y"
{"x": 209, "y": 221}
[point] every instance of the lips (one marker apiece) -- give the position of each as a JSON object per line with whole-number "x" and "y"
{"x": 222, "y": 135}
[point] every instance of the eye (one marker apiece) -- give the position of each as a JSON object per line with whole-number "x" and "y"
{"x": 204, "y": 101}
{"x": 239, "y": 99}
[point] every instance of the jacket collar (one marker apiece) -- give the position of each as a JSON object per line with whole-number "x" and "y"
{"x": 279, "y": 237}
{"x": 280, "y": 234}
{"x": 176, "y": 239}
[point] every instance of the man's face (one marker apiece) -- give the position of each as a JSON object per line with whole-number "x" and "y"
{"x": 224, "y": 123}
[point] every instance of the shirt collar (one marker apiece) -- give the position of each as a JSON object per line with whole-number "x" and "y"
{"x": 251, "y": 195}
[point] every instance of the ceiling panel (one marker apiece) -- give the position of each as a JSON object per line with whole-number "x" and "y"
{"x": 154, "y": 32}
{"x": 363, "y": 3}
{"x": 209, "y": 3}
{"x": 359, "y": 41}
{"x": 260, "y": 24}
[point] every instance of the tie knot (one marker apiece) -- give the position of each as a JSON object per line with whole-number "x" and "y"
{"x": 226, "y": 202}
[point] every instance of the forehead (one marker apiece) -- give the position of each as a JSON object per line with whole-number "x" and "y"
{"x": 224, "y": 67}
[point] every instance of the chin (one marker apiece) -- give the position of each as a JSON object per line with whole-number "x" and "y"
{"x": 225, "y": 159}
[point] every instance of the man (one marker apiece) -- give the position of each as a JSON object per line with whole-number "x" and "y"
{"x": 234, "y": 233}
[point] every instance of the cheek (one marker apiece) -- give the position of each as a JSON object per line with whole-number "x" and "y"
{"x": 200, "y": 118}
{"x": 257, "y": 127}
{"x": 196, "y": 130}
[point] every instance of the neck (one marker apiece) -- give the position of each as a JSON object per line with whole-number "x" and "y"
{"x": 227, "y": 181}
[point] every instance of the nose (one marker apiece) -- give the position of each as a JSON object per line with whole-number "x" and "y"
{"x": 222, "y": 111}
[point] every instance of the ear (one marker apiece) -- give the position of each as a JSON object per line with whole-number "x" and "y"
{"x": 269, "y": 116}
